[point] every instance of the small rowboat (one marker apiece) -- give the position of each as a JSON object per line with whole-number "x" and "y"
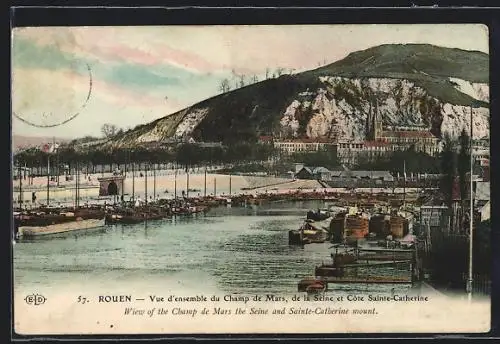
{"x": 316, "y": 288}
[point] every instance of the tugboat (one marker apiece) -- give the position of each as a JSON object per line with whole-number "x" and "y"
{"x": 308, "y": 233}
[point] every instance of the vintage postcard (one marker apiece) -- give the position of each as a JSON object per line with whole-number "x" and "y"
{"x": 251, "y": 179}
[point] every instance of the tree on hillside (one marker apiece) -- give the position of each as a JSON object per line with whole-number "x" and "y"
{"x": 109, "y": 130}
{"x": 241, "y": 80}
{"x": 268, "y": 71}
{"x": 254, "y": 79}
{"x": 279, "y": 71}
{"x": 224, "y": 85}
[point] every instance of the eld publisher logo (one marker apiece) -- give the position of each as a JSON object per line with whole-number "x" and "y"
{"x": 35, "y": 299}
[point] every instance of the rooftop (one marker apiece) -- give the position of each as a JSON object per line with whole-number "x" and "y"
{"x": 376, "y": 144}
{"x": 307, "y": 140}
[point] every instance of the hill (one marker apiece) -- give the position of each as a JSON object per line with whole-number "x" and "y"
{"x": 409, "y": 85}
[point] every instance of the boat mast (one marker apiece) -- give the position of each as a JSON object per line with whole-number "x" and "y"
{"x": 48, "y": 178}
{"x": 57, "y": 159}
{"x": 154, "y": 182}
{"x": 471, "y": 219}
{"x": 76, "y": 185}
{"x": 187, "y": 181}
{"x": 20, "y": 186}
{"x": 133, "y": 181}
{"x": 205, "y": 190}
{"x": 175, "y": 181}
{"x": 146, "y": 183}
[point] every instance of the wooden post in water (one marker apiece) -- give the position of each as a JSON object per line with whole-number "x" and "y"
{"x": 215, "y": 187}
{"x": 229, "y": 184}
{"x": 205, "y": 192}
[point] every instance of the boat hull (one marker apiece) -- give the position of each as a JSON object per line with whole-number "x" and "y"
{"x": 38, "y": 231}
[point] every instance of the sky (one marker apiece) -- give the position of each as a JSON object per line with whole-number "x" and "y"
{"x": 138, "y": 74}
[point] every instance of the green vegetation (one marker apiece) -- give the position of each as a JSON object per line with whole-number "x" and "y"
{"x": 324, "y": 157}
{"x": 416, "y": 162}
{"x": 429, "y": 66}
{"x": 186, "y": 155}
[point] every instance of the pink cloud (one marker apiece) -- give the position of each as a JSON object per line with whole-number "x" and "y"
{"x": 77, "y": 84}
{"x": 161, "y": 54}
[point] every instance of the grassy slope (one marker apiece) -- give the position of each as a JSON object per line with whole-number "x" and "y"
{"x": 427, "y": 65}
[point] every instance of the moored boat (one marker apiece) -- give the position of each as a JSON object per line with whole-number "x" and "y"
{"x": 77, "y": 224}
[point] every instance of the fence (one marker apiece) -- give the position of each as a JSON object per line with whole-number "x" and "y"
{"x": 370, "y": 183}
{"x": 481, "y": 284}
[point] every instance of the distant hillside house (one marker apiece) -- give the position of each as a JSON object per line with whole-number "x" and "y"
{"x": 202, "y": 144}
{"x": 353, "y": 153}
{"x": 304, "y": 145}
{"x": 266, "y": 139}
{"x": 349, "y": 153}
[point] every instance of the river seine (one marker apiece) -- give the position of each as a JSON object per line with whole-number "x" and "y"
{"x": 226, "y": 250}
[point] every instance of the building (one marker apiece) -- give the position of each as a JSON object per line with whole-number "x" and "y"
{"x": 266, "y": 140}
{"x": 482, "y": 192}
{"x": 304, "y": 145}
{"x": 402, "y": 138}
{"x": 434, "y": 215}
{"x": 350, "y": 152}
{"x": 485, "y": 211}
{"x": 111, "y": 186}
{"x": 318, "y": 173}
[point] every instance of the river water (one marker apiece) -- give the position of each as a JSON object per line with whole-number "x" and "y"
{"x": 227, "y": 250}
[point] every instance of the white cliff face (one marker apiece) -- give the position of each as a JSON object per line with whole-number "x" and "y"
{"x": 151, "y": 136}
{"x": 288, "y": 120}
{"x": 190, "y": 121}
{"x": 343, "y": 106}
{"x": 479, "y": 91}
{"x": 456, "y": 118}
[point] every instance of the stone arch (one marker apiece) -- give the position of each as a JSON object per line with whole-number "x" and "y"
{"x": 112, "y": 188}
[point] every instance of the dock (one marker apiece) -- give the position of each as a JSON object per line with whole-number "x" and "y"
{"x": 377, "y": 279}
{"x": 361, "y": 265}
{"x": 387, "y": 250}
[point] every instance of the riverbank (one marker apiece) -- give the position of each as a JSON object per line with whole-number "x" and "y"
{"x": 168, "y": 184}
